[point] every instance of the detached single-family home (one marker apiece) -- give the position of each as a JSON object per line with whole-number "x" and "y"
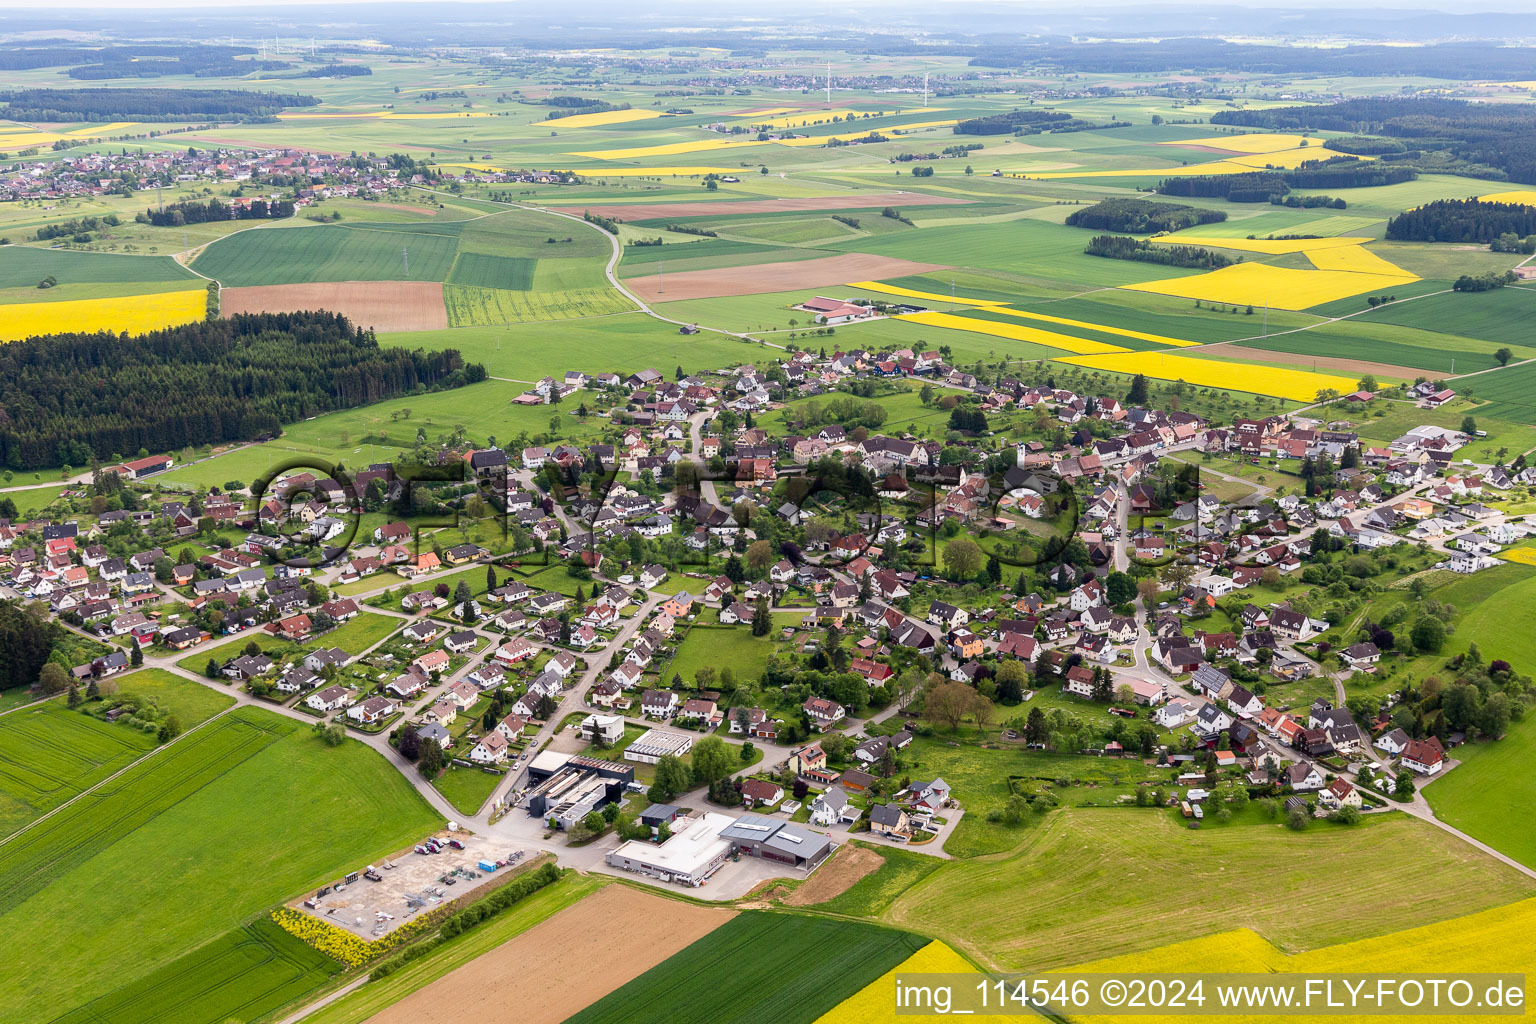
{"x": 1424, "y": 756}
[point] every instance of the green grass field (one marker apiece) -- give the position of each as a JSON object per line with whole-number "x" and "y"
{"x": 481, "y": 270}
{"x": 22, "y": 267}
{"x": 1099, "y": 882}
{"x": 239, "y": 976}
{"x": 221, "y": 824}
{"x": 870, "y": 895}
{"x": 467, "y": 788}
{"x": 379, "y": 252}
{"x": 784, "y": 968}
{"x": 1510, "y": 393}
{"x": 1497, "y": 316}
{"x": 191, "y": 703}
{"x": 49, "y": 754}
{"x": 714, "y": 646}
{"x": 1488, "y": 795}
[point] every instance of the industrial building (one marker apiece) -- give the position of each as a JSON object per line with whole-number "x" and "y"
{"x": 699, "y": 846}
{"x": 693, "y": 853}
{"x": 567, "y": 789}
{"x": 655, "y": 745}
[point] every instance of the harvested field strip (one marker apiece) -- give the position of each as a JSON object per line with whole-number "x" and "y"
{"x": 1161, "y": 339}
{"x": 1356, "y": 259}
{"x": 1298, "y": 385}
{"x": 1268, "y": 246}
{"x": 29, "y": 862}
{"x": 134, "y": 314}
{"x": 848, "y": 866}
{"x": 1500, "y": 939}
{"x": 600, "y": 118}
{"x": 912, "y": 293}
{"x": 783, "y": 968}
{"x": 1019, "y": 332}
{"x": 761, "y": 278}
{"x": 49, "y": 754}
{"x": 631, "y": 212}
{"x": 1258, "y": 284}
{"x": 615, "y": 926}
{"x": 381, "y": 305}
{"x": 241, "y": 975}
{"x": 1248, "y": 352}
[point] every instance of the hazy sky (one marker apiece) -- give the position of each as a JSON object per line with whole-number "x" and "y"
{"x": 661, "y": 6}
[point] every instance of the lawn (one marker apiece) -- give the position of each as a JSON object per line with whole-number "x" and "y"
{"x": 49, "y": 754}
{"x": 786, "y": 968}
{"x": 1102, "y": 882}
{"x": 191, "y": 703}
{"x": 239, "y": 976}
{"x": 717, "y": 647}
{"x": 216, "y": 827}
{"x": 1490, "y": 794}
{"x": 467, "y": 788}
{"x": 361, "y": 1004}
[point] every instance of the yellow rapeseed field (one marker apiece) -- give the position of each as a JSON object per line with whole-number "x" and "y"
{"x": 876, "y": 1002}
{"x": 1013, "y": 332}
{"x": 1119, "y": 331}
{"x": 911, "y": 293}
{"x": 599, "y": 119}
{"x": 821, "y": 140}
{"x": 1524, "y": 556}
{"x": 1267, "y": 246}
{"x": 1521, "y": 197}
{"x": 1288, "y": 159}
{"x": 666, "y": 149}
{"x": 1501, "y": 940}
{"x": 1258, "y": 284}
{"x": 1299, "y": 385}
{"x": 133, "y": 314}
{"x": 1356, "y": 259}
{"x": 1261, "y": 142}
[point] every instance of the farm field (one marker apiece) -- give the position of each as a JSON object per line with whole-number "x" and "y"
{"x": 612, "y": 923}
{"x": 1496, "y": 316}
{"x": 379, "y": 305}
{"x": 1496, "y": 939}
{"x": 49, "y": 755}
{"x": 223, "y": 822}
{"x": 785, "y": 967}
{"x": 1299, "y": 385}
{"x": 241, "y": 975}
{"x": 1038, "y": 916}
{"x": 191, "y": 703}
{"x": 1485, "y": 795}
{"x": 131, "y": 314}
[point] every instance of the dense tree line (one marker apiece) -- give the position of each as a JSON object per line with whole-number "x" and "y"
{"x": 1484, "y": 282}
{"x": 106, "y": 395}
{"x": 143, "y": 104}
{"x": 1119, "y": 247}
{"x": 1364, "y": 145}
{"x": 1499, "y": 136}
{"x": 193, "y": 212}
{"x": 1141, "y": 216}
{"x": 1264, "y": 186}
{"x": 1005, "y": 123}
{"x": 1462, "y": 220}
{"x": 335, "y": 71}
{"x": 27, "y": 638}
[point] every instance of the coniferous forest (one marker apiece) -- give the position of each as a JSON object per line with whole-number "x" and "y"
{"x": 66, "y": 398}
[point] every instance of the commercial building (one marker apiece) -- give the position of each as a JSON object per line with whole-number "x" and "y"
{"x": 772, "y": 839}
{"x": 655, "y": 745}
{"x": 569, "y": 792}
{"x": 695, "y": 851}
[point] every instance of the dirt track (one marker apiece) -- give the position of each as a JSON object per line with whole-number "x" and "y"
{"x": 727, "y": 208}
{"x": 564, "y": 964}
{"x": 774, "y": 277}
{"x": 1355, "y": 366}
{"x": 382, "y": 305}
{"x": 836, "y": 876}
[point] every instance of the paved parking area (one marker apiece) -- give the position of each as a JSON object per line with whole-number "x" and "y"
{"x": 371, "y": 909}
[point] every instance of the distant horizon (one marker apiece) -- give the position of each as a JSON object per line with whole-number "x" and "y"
{"x": 515, "y": 10}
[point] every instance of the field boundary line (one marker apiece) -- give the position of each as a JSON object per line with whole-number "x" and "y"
{"x": 136, "y": 761}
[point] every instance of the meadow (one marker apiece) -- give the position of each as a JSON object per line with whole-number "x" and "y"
{"x": 716, "y": 646}
{"x": 219, "y": 825}
{"x": 782, "y": 967}
{"x": 1065, "y": 895}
